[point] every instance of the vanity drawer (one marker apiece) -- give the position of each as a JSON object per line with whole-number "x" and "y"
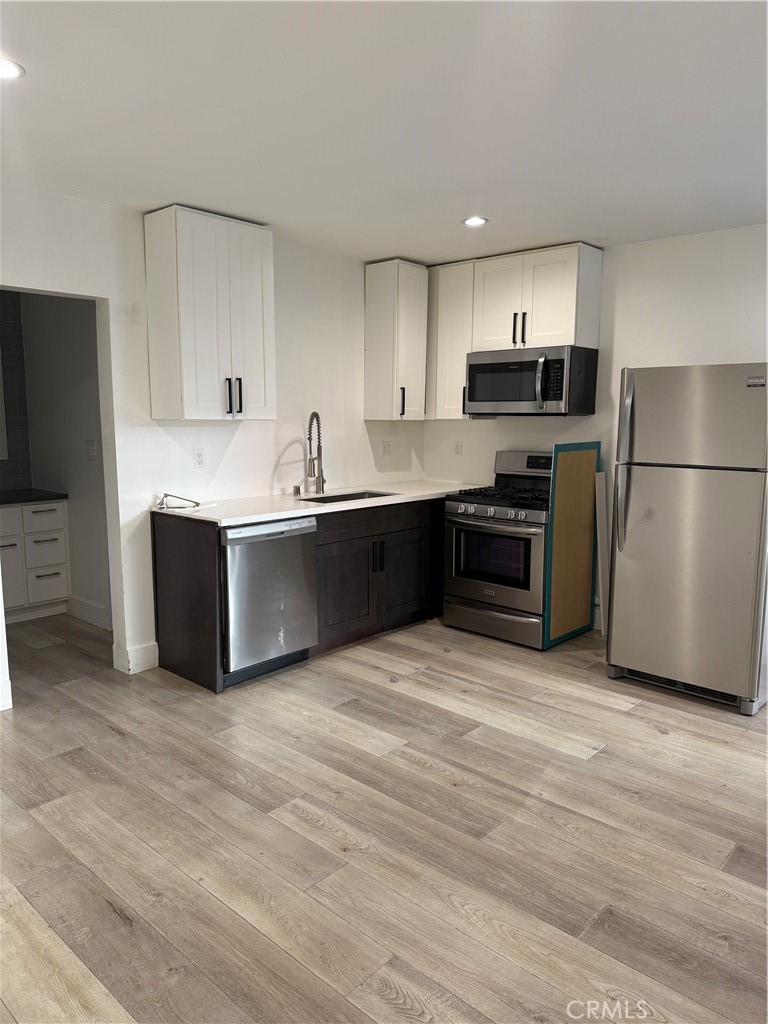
{"x": 10, "y": 520}
{"x": 47, "y": 584}
{"x": 45, "y": 549}
{"x": 43, "y": 517}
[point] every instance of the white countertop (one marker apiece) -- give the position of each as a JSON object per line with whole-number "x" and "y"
{"x": 273, "y": 507}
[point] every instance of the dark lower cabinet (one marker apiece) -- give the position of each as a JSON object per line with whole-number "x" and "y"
{"x": 376, "y": 570}
{"x": 403, "y": 576}
{"x": 347, "y": 602}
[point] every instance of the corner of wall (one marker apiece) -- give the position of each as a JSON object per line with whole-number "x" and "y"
{"x": 135, "y": 659}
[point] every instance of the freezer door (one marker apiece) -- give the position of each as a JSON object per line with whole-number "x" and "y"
{"x": 687, "y": 552}
{"x": 694, "y": 415}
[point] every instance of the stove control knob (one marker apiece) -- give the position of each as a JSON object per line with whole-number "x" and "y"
{"x": 491, "y": 511}
{"x": 462, "y": 508}
{"x": 511, "y": 514}
{"x": 471, "y": 509}
{"x": 522, "y": 515}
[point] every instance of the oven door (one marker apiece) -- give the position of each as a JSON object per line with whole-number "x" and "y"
{"x": 496, "y": 563}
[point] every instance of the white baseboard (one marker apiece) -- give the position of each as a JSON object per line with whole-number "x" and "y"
{"x": 135, "y": 659}
{"x": 41, "y": 612}
{"x": 6, "y": 702}
{"x": 89, "y": 611}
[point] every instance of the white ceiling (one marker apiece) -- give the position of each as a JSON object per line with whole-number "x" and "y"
{"x": 373, "y": 128}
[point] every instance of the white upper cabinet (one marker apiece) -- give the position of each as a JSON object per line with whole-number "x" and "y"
{"x": 497, "y": 303}
{"x": 538, "y": 299}
{"x": 395, "y": 340}
{"x": 210, "y": 307}
{"x": 449, "y": 338}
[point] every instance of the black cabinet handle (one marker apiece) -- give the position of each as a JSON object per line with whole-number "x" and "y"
{"x": 464, "y": 400}
{"x": 43, "y": 511}
{"x": 48, "y": 540}
{"x": 46, "y": 575}
{"x": 514, "y": 330}
{"x": 239, "y": 381}
{"x": 229, "y": 396}
{"x": 12, "y": 545}
{"x": 522, "y": 333}
{"x": 374, "y": 548}
{"x": 381, "y": 556}
{"x": 402, "y": 401}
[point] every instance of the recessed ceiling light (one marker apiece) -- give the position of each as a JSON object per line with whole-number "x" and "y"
{"x": 10, "y": 69}
{"x": 475, "y": 222}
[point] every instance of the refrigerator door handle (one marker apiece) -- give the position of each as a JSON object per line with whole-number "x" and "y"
{"x": 622, "y": 472}
{"x": 625, "y": 424}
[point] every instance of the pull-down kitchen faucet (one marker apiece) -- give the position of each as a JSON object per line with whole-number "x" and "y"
{"x": 315, "y": 462}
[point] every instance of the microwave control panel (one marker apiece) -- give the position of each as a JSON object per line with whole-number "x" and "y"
{"x": 552, "y": 391}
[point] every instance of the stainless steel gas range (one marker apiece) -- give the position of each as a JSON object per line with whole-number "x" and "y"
{"x": 498, "y": 568}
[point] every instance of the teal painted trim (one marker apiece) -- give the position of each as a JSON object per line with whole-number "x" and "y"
{"x": 550, "y": 641}
{"x": 567, "y": 636}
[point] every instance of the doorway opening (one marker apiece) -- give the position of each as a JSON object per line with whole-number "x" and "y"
{"x": 53, "y": 505}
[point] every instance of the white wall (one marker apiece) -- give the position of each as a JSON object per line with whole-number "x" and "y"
{"x": 62, "y": 245}
{"x": 692, "y": 299}
{"x": 63, "y": 405}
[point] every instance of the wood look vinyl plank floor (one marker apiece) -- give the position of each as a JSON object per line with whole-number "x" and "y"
{"x": 428, "y": 827}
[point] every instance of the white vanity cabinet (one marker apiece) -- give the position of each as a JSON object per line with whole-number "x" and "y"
{"x": 538, "y": 299}
{"x": 395, "y": 340}
{"x": 12, "y": 558}
{"x": 210, "y": 317}
{"x": 33, "y": 557}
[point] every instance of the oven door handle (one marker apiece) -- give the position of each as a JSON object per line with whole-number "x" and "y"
{"x": 501, "y": 528}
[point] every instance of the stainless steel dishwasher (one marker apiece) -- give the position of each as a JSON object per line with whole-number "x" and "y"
{"x": 270, "y": 600}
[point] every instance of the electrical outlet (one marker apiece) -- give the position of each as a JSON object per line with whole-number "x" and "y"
{"x": 90, "y": 451}
{"x": 458, "y": 447}
{"x": 385, "y": 447}
{"x": 198, "y": 458}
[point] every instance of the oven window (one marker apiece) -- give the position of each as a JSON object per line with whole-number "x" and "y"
{"x": 493, "y": 558}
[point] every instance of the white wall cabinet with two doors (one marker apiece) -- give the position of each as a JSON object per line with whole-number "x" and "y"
{"x": 33, "y": 557}
{"x": 525, "y": 300}
{"x": 211, "y": 318}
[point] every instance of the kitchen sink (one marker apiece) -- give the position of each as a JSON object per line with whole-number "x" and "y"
{"x": 326, "y": 499}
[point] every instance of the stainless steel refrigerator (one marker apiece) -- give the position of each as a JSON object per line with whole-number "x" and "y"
{"x": 688, "y": 564}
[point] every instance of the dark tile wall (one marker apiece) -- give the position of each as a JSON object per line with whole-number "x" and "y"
{"x": 16, "y": 472}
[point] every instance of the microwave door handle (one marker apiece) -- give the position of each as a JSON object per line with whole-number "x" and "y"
{"x": 539, "y": 376}
{"x": 625, "y": 425}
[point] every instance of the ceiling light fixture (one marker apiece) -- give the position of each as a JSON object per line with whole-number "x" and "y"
{"x": 475, "y": 222}
{"x": 10, "y": 69}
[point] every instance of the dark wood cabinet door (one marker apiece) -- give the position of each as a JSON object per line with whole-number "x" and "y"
{"x": 404, "y": 576}
{"x": 347, "y": 595}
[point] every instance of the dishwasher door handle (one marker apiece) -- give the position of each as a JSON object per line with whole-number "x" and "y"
{"x": 267, "y": 531}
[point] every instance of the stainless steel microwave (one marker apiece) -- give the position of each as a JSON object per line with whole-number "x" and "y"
{"x": 557, "y": 381}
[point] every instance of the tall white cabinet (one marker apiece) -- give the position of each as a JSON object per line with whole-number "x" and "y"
{"x": 395, "y": 340}
{"x": 449, "y": 338}
{"x": 211, "y": 319}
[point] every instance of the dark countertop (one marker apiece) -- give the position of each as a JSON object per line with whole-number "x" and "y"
{"x": 29, "y": 495}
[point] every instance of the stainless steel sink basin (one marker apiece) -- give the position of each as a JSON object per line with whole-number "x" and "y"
{"x": 327, "y": 499}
